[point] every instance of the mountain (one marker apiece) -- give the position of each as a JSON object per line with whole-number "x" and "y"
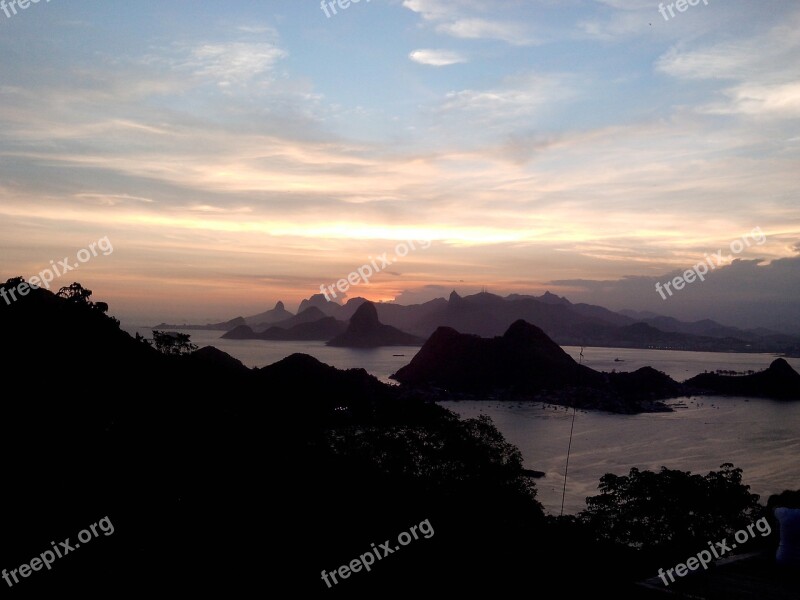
{"x": 792, "y": 351}
{"x": 589, "y": 325}
{"x": 322, "y": 329}
{"x": 638, "y": 315}
{"x": 524, "y": 363}
{"x": 309, "y": 315}
{"x": 225, "y": 326}
{"x": 779, "y": 380}
{"x": 602, "y": 314}
{"x": 279, "y": 313}
{"x": 489, "y": 315}
{"x": 405, "y": 317}
{"x": 319, "y": 301}
{"x": 215, "y": 361}
{"x": 705, "y": 327}
{"x": 366, "y": 331}
{"x": 568, "y": 324}
{"x": 242, "y": 332}
{"x": 549, "y": 298}
{"x": 523, "y": 357}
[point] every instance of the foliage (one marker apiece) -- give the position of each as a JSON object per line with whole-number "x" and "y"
{"x": 671, "y": 508}
{"x": 75, "y": 293}
{"x": 173, "y": 343}
{"x": 452, "y": 457}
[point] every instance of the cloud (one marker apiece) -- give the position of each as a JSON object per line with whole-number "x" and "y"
{"x": 628, "y": 5}
{"x": 112, "y": 199}
{"x": 435, "y": 10}
{"x": 745, "y": 293}
{"x": 758, "y": 72}
{"x": 234, "y": 63}
{"x": 622, "y": 25}
{"x": 782, "y": 101}
{"x": 517, "y": 96}
{"x": 622, "y": 20}
{"x": 437, "y": 58}
{"x": 498, "y": 109}
{"x": 451, "y": 17}
{"x": 256, "y": 29}
{"x": 477, "y": 29}
{"x": 764, "y": 54}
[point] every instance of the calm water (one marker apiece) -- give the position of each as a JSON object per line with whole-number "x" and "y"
{"x": 760, "y": 436}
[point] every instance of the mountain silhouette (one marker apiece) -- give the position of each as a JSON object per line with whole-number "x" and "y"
{"x": 224, "y": 326}
{"x": 308, "y": 315}
{"x": 322, "y": 329}
{"x": 524, "y": 356}
{"x": 525, "y": 363}
{"x": 275, "y": 315}
{"x": 580, "y": 324}
{"x": 779, "y": 381}
{"x": 366, "y": 331}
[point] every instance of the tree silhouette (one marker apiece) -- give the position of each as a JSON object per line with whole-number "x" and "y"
{"x": 14, "y": 282}
{"x": 75, "y": 293}
{"x": 670, "y": 508}
{"x": 173, "y": 343}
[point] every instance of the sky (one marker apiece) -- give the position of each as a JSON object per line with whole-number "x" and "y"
{"x": 239, "y": 153}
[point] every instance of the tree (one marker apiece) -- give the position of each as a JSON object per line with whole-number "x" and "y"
{"x": 173, "y": 343}
{"x": 75, "y": 293}
{"x": 670, "y": 509}
{"x": 14, "y": 282}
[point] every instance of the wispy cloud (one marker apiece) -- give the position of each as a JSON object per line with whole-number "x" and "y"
{"x": 449, "y": 18}
{"x": 477, "y": 29}
{"x": 437, "y": 58}
{"x": 112, "y": 199}
{"x": 235, "y": 62}
{"x": 501, "y": 108}
{"x": 757, "y": 73}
